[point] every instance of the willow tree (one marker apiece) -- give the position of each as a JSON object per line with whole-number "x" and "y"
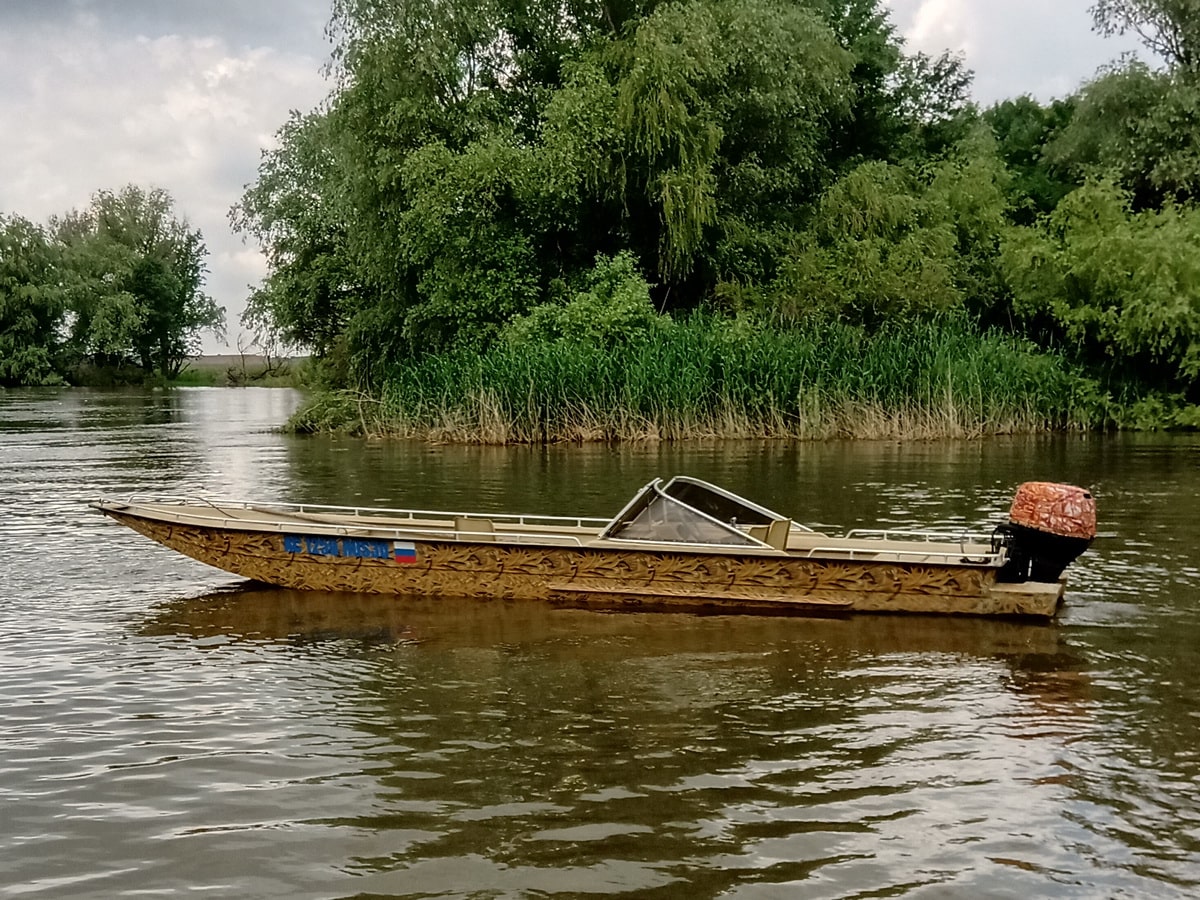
{"x": 294, "y": 210}
{"x": 704, "y": 124}
{"x": 490, "y": 161}
{"x": 1121, "y": 286}
{"x": 1023, "y": 129}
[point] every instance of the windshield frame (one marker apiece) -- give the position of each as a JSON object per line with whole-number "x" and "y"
{"x": 657, "y": 492}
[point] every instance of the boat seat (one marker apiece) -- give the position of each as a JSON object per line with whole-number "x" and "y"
{"x": 478, "y": 530}
{"x": 774, "y": 534}
{"x": 777, "y": 533}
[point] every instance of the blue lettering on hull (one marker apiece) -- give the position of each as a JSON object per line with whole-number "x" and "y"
{"x": 320, "y": 545}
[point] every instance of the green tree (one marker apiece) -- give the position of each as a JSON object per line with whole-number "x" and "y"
{"x": 31, "y": 305}
{"x": 705, "y": 111}
{"x": 476, "y": 157}
{"x": 295, "y": 211}
{"x": 1024, "y": 128}
{"x": 1139, "y": 128}
{"x": 903, "y": 106}
{"x": 890, "y": 241}
{"x": 1121, "y": 286}
{"x": 135, "y": 278}
{"x": 1170, "y": 28}
{"x": 1134, "y": 125}
{"x": 612, "y": 307}
{"x": 430, "y": 136}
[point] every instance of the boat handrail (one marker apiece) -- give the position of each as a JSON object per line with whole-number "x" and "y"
{"x": 903, "y": 554}
{"x": 929, "y": 535}
{"x": 757, "y": 547}
{"x": 489, "y": 537}
{"x": 388, "y": 531}
{"x": 370, "y": 513}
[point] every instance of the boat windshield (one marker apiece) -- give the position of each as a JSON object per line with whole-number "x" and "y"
{"x": 720, "y": 504}
{"x": 691, "y": 511}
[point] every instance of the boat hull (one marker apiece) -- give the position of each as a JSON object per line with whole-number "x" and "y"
{"x": 600, "y": 578}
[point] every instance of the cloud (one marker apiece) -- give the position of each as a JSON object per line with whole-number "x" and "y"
{"x": 276, "y": 23}
{"x": 940, "y": 24}
{"x": 1046, "y": 48}
{"x": 91, "y": 107}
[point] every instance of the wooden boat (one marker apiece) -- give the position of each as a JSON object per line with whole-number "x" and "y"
{"x": 681, "y": 544}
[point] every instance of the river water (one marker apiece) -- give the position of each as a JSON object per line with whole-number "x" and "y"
{"x": 169, "y": 731}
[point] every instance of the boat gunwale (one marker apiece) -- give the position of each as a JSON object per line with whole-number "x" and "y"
{"x": 960, "y": 557}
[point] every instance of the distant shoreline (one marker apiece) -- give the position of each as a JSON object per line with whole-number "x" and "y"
{"x": 249, "y": 360}
{"x": 242, "y": 369}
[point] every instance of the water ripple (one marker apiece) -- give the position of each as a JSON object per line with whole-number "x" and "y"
{"x": 168, "y": 730}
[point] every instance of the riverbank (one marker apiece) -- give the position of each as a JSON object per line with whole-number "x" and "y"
{"x": 700, "y": 380}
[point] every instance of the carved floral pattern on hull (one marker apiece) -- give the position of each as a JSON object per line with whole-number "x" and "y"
{"x": 599, "y": 578}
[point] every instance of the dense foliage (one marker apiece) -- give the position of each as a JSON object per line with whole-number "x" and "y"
{"x": 477, "y": 158}
{"x": 31, "y": 305}
{"x": 117, "y": 284}
{"x": 510, "y": 187}
{"x": 494, "y": 184}
{"x": 1122, "y": 285}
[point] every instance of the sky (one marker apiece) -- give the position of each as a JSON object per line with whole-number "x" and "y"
{"x": 186, "y": 95}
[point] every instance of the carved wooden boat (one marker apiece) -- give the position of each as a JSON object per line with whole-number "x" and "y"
{"x": 681, "y": 544}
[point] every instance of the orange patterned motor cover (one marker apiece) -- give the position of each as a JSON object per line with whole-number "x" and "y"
{"x": 1061, "y": 509}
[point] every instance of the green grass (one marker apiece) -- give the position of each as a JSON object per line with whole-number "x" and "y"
{"x": 710, "y": 377}
{"x": 199, "y": 376}
{"x": 238, "y": 370}
{"x": 206, "y": 371}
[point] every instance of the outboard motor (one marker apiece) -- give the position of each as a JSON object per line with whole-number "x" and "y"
{"x": 1049, "y": 525}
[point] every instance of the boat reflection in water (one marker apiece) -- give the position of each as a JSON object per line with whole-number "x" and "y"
{"x": 475, "y": 744}
{"x": 1034, "y": 660}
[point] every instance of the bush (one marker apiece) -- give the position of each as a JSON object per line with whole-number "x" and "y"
{"x": 614, "y": 307}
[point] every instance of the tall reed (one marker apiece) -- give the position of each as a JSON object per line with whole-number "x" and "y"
{"x": 711, "y": 377}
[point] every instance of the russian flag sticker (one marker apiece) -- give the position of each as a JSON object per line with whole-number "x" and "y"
{"x": 404, "y": 552}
